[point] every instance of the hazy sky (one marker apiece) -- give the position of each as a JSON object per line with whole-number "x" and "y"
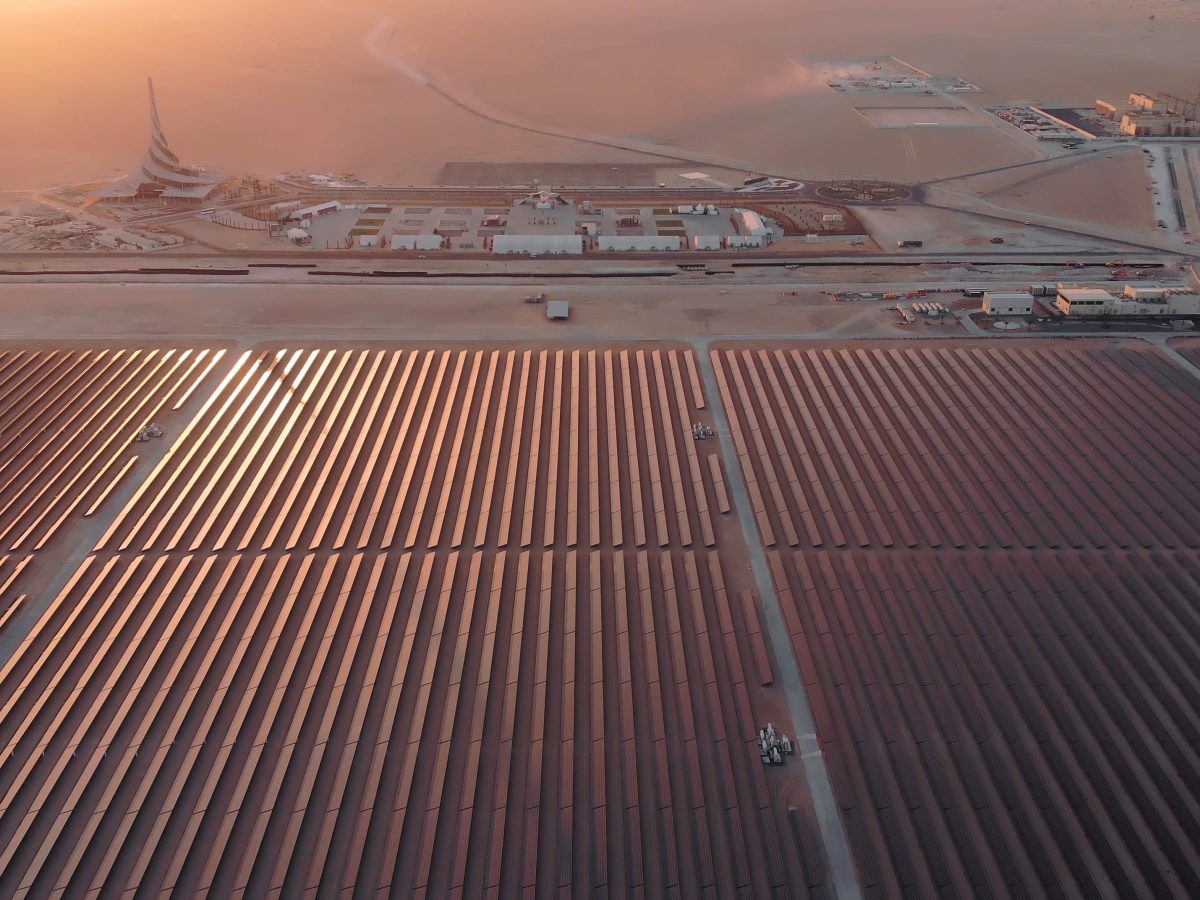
{"x": 268, "y": 85}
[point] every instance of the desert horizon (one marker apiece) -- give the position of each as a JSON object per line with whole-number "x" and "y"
{"x": 323, "y": 86}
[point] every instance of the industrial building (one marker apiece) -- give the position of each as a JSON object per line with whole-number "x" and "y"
{"x": 1153, "y": 115}
{"x": 162, "y": 176}
{"x": 417, "y": 242}
{"x": 1158, "y": 124}
{"x": 538, "y": 244}
{"x": 1135, "y": 303}
{"x": 1110, "y": 109}
{"x": 626, "y": 243}
{"x": 1001, "y": 303}
{"x": 1150, "y": 103}
{"x": 1082, "y": 301}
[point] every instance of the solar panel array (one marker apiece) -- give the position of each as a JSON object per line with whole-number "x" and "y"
{"x": 987, "y": 557}
{"x": 11, "y": 598}
{"x": 965, "y": 447}
{"x": 404, "y": 449}
{"x": 67, "y": 420}
{"x": 1007, "y": 724}
{"x": 433, "y": 622}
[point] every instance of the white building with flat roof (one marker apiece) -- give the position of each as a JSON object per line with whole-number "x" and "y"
{"x": 1083, "y": 301}
{"x": 639, "y": 242}
{"x": 744, "y": 241}
{"x": 1002, "y": 303}
{"x": 548, "y": 244}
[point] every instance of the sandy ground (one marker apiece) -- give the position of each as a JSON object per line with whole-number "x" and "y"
{"x": 295, "y": 86}
{"x": 947, "y": 230}
{"x": 324, "y": 312}
{"x": 1110, "y": 189}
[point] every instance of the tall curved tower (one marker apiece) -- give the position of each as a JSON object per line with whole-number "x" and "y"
{"x": 161, "y": 174}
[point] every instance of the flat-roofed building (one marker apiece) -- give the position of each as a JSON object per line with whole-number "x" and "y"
{"x": 549, "y": 244}
{"x": 639, "y": 242}
{"x": 1083, "y": 301}
{"x": 1147, "y": 102}
{"x": 744, "y": 241}
{"x": 1158, "y": 124}
{"x": 1003, "y": 303}
{"x": 1112, "y": 109}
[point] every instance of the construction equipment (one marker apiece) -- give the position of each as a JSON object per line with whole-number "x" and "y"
{"x": 773, "y": 746}
{"x": 148, "y": 433}
{"x": 701, "y": 432}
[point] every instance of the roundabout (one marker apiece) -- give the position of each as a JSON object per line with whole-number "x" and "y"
{"x": 863, "y": 191}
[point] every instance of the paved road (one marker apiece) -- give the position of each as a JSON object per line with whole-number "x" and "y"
{"x": 842, "y": 873}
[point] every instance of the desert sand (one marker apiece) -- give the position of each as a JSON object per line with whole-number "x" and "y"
{"x": 1101, "y": 189}
{"x": 344, "y": 85}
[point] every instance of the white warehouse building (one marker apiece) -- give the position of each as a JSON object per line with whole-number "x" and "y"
{"x": 549, "y": 244}
{"x": 640, "y": 242}
{"x": 417, "y": 242}
{"x": 744, "y": 241}
{"x": 1001, "y": 303}
{"x": 1094, "y": 302}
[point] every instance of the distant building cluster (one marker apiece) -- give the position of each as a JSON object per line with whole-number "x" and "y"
{"x": 1153, "y": 115}
{"x": 1075, "y": 301}
{"x": 543, "y": 224}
